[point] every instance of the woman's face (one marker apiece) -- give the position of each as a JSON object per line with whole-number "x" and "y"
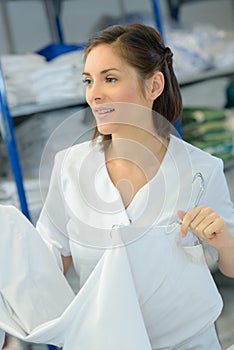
{"x": 109, "y": 80}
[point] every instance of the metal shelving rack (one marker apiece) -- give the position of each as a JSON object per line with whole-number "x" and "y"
{"x": 7, "y": 130}
{"x": 53, "y": 10}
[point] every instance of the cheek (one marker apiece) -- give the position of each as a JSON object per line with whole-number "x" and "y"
{"x": 135, "y": 94}
{"x": 129, "y": 94}
{"x": 87, "y": 97}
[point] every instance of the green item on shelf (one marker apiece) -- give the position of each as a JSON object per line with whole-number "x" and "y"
{"x": 202, "y": 115}
{"x": 210, "y": 137}
{"x": 205, "y": 128}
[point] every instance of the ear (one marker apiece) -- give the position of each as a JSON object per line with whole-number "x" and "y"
{"x": 156, "y": 85}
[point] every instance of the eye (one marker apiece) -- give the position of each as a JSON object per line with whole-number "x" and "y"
{"x": 87, "y": 81}
{"x": 111, "y": 79}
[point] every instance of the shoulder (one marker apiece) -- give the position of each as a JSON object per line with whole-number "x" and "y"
{"x": 197, "y": 156}
{"x": 75, "y": 154}
{"x": 72, "y": 159}
{"x": 9, "y": 211}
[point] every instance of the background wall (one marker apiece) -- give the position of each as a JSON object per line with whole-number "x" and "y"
{"x": 30, "y": 29}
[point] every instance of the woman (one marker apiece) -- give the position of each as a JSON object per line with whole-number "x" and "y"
{"x": 136, "y": 175}
{"x": 126, "y": 195}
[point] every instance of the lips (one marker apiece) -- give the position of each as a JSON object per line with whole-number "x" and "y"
{"x": 102, "y": 112}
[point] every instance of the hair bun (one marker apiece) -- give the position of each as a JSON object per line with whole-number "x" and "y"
{"x": 168, "y": 55}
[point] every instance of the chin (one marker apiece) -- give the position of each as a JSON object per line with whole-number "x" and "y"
{"x": 107, "y": 129}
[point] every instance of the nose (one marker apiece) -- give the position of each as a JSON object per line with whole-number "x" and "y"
{"x": 95, "y": 93}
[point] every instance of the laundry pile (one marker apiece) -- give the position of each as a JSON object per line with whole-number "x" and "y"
{"x": 30, "y": 79}
{"x": 196, "y": 48}
{"x": 39, "y": 138}
{"x": 60, "y": 79}
{"x": 211, "y": 130}
{"x": 200, "y": 48}
{"x": 17, "y": 71}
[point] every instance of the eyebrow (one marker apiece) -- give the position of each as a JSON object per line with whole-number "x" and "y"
{"x": 103, "y": 71}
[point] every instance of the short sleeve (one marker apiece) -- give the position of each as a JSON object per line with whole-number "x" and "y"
{"x": 53, "y": 219}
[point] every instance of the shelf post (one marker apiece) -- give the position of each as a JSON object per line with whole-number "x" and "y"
{"x": 158, "y": 17}
{"x": 54, "y": 9}
{"x": 7, "y": 129}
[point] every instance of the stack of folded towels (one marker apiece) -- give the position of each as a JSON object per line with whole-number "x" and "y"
{"x": 17, "y": 71}
{"x": 30, "y": 79}
{"x": 60, "y": 79}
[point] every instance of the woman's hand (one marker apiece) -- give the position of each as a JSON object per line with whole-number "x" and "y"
{"x": 206, "y": 224}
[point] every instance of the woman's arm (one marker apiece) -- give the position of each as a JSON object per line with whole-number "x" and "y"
{"x": 52, "y": 222}
{"x": 226, "y": 258}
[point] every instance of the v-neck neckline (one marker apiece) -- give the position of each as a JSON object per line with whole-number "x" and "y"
{"x": 142, "y": 188}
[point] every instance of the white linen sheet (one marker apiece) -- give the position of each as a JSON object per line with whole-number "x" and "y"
{"x": 38, "y": 305}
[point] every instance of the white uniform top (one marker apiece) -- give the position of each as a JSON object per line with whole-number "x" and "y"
{"x": 84, "y": 213}
{"x": 83, "y": 205}
{"x": 152, "y": 292}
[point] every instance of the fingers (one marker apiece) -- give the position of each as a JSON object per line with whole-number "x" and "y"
{"x": 204, "y": 222}
{"x": 181, "y": 214}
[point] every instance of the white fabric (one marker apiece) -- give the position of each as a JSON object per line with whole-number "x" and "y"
{"x": 90, "y": 206}
{"x": 39, "y": 81}
{"x": 2, "y": 338}
{"x": 119, "y": 300}
{"x": 29, "y": 293}
{"x": 155, "y": 291}
{"x": 18, "y": 83}
{"x": 230, "y": 347}
{"x": 207, "y": 339}
{"x": 27, "y": 63}
{"x": 33, "y": 291}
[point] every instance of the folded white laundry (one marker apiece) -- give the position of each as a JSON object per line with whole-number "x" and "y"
{"x": 17, "y": 71}
{"x": 74, "y": 58}
{"x": 34, "y": 80}
{"x": 12, "y": 64}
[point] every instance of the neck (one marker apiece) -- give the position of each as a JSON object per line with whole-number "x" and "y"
{"x": 143, "y": 148}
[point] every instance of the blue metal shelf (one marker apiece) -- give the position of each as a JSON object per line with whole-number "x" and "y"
{"x": 9, "y": 137}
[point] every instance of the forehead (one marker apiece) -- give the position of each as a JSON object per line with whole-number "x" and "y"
{"x": 103, "y": 56}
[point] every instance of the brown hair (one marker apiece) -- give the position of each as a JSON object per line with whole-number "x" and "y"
{"x": 142, "y": 48}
